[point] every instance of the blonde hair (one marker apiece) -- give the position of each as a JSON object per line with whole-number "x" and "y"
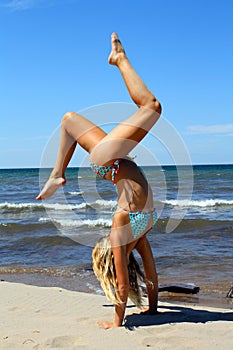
{"x": 104, "y": 269}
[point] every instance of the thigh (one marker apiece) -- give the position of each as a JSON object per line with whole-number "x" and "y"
{"x": 91, "y": 138}
{"x": 85, "y": 132}
{"x": 124, "y": 137}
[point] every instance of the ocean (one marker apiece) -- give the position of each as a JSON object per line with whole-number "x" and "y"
{"x": 49, "y": 243}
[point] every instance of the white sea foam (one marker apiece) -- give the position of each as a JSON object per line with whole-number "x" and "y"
{"x": 55, "y": 206}
{"x": 58, "y": 206}
{"x": 104, "y": 203}
{"x": 7, "y": 205}
{"x": 199, "y": 203}
{"x": 75, "y": 193}
{"x": 79, "y": 223}
{"x": 111, "y": 203}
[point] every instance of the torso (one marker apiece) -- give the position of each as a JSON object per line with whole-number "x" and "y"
{"x": 134, "y": 192}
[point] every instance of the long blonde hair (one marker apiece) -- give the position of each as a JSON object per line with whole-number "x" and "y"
{"x": 104, "y": 269}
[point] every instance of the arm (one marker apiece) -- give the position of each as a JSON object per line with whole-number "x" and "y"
{"x": 144, "y": 249}
{"x": 120, "y": 262}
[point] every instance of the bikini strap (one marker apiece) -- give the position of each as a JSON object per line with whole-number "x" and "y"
{"x": 115, "y": 169}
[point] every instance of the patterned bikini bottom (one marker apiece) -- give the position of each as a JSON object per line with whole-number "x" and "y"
{"x": 139, "y": 220}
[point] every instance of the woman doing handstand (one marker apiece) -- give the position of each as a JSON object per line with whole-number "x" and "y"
{"x": 135, "y": 214}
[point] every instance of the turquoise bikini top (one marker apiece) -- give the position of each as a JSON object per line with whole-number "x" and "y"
{"x": 102, "y": 171}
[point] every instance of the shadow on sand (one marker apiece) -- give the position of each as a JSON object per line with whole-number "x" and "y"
{"x": 176, "y": 314}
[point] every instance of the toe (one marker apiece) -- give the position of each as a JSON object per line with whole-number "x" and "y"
{"x": 114, "y": 37}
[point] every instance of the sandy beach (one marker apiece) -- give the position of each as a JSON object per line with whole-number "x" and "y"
{"x": 54, "y": 318}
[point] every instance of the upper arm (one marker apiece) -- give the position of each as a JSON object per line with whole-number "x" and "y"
{"x": 119, "y": 238}
{"x": 120, "y": 262}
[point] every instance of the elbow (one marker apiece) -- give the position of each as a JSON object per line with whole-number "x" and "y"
{"x": 123, "y": 291}
{"x": 122, "y": 288}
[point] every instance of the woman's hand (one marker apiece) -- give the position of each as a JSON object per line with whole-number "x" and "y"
{"x": 107, "y": 325}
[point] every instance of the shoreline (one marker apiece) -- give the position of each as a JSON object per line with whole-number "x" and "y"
{"x": 50, "y": 317}
{"x": 70, "y": 284}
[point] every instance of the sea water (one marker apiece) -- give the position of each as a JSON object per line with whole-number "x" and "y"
{"x": 50, "y": 242}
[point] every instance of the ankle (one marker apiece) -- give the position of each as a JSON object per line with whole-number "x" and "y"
{"x": 55, "y": 174}
{"x": 121, "y": 60}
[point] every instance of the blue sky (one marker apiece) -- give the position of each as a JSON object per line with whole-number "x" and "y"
{"x": 54, "y": 59}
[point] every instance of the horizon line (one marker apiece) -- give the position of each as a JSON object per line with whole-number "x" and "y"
{"x": 145, "y": 165}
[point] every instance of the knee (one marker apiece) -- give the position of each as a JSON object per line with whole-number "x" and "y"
{"x": 156, "y": 106}
{"x": 69, "y": 116}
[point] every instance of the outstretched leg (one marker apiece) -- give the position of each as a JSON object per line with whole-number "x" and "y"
{"x": 138, "y": 91}
{"x": 120, "y": 141}
{"x": 74, "y": 129}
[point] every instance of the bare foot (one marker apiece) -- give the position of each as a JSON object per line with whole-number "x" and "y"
{"x": 51, "y": 187}
{"x": 117, "y": 52}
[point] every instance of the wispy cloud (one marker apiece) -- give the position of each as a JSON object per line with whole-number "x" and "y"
{"x": 21, "y": 5}
{"x": 18, "y": 5}
{"x": 220, "y": 129}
